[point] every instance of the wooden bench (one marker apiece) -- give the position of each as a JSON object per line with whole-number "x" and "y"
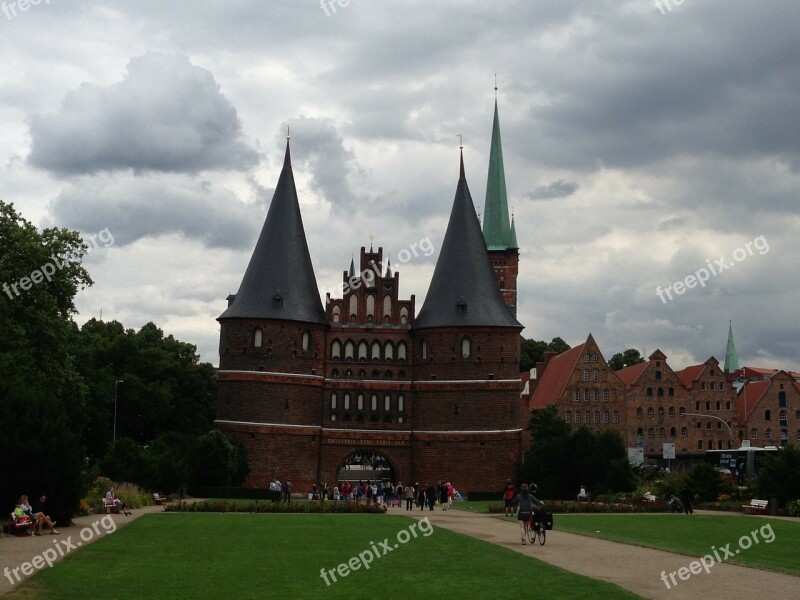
{"x": 17, "y": 528}
{"x": 109, "y": 506}
{"x": 755, "y": 507}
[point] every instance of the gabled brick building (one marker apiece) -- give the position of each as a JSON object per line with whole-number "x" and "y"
{"x": 769, "y": 411}
{"x": 585, "y": 391}
{"x": 435, "y": 394}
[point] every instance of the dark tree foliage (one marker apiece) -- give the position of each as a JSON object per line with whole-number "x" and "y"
{"x": 779, "y": 476}
{"x": 630, "y": 357}
{"x": 164, "y": 387}
{"x": 532, "y": 351}
{"x": 57, "y": 386}
{"x": 42, "y": 397}
{"x": 560, "y": 462}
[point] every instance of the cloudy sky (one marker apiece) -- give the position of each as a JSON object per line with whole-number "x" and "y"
{"x": 641, "y": 145}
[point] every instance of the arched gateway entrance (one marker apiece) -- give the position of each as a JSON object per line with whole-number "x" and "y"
{"x": 366, "y": 465}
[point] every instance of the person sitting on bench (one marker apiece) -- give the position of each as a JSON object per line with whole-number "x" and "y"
{"x": 41, "y": 518}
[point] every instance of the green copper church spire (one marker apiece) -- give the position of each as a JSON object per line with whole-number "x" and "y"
{"x": 496, "y": 228}
{"x": 731, "y": 360}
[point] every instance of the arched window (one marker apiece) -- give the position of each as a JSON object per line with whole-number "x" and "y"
{"x": 768, "y": 433}
{"x": 424, "y": 348}
{"x": 369, "y": 277}
{"x": 661, "y": 432}
{"x": 387, "y": 402}
{"x": 605, "y": 394}
{"x": 333, "y": 401}
{"x": 660, "y": 391}
{"x": 388, "y": 351}
{"x": 597, "y": 416}
{"x": 568, "y": 416}
{"x": 370, "y": 307}
{"x": 671, "y": 411}
{"x": 349, "y": 349}
{"x": 353, "y": 307}
{"x": 782, "y": 399}
{"x": 699, "y": 444}
{"x": 306, "y": 341}
{"x": 684, "y": 432}
{"x": 401, "y": 403}
{"x": 466, "y": 347}
{"x": 337, "y": 313}
{"x": 615, "y": 416}
{"x": 401, "y": 351}
{"x": 650, "y": 412}
{"x": 605, "y": 416}
{"x": 577, "y": 395}
{"x": 360, "y": 403}
{"x": 649, "y": 391}
{"x": 387, "y": 306}
{"x": 660, "y": 412}
{"x": 347, "y": 401}
{"x": 767, "y": 415}
{"x": 672, "y": 432}
{"x": 671, "y": 392}
{"x": 639, "y": 412}
{"x": 651, "y": 432}
{"x": 404, "y": 315}
{"x": 362, "y": 350}
{"x": 586, "y": 417}
{"x": 387, "y": 374}
{"x": 374, "y": 402}
{"x": 336, "y": 350}
{"x": 596, "y": 394}
{"x": 258, "y": 337}
{"x": 335, "y": 373}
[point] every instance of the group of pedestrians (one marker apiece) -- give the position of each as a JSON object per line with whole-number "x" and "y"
{"x": 430, "y": 495}
{"x": 280, "y": 491}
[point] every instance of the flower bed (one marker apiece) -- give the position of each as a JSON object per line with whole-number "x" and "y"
{"x": 275, "y": 507}
{"x": 568, "y": 506}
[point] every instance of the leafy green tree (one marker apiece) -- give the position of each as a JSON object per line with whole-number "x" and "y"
{"x": 532, "y": 351}
{"x": 704, "y": 482}
{"x": 630, "y": 357}
{"x": 560, "y": 462}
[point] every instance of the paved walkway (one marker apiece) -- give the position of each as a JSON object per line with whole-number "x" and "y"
{"x": 632, "y": 567}
{"x": 15, "y": 551}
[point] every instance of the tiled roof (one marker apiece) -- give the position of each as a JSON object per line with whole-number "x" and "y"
{"x": 690, "y": 374}
{"x": 749, "y": 395}
{"x": 629, "y": 375}
{"x": 555, "y": 377}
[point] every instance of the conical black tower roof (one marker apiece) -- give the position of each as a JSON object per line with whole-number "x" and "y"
{"x": 463, "y": 291}
{"x": 279, "y": 282}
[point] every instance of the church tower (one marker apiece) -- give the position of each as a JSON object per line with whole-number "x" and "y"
{"x": 499, "y": 234}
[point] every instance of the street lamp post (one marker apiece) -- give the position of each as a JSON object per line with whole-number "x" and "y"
{"x": 116, "y": 385}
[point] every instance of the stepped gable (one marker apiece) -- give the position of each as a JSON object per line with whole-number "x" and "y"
{"x": 463, "y": 290}
{"x": 279, "y": 282}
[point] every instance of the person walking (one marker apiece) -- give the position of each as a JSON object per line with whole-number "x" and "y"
{"x": 409, "y": 494}
{"x": 525, "y": 503}
{"x": 686, "y": 498}
{"x": 430, "y": 495}
{"x": 509, "y": 493}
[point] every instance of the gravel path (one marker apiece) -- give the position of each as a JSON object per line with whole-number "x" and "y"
{"x": 632, "y": 567}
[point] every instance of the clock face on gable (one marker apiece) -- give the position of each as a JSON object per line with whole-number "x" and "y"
{"x": 387, "y": 285}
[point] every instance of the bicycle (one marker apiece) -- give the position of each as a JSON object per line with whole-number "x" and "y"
{"x": 537, "y": 528}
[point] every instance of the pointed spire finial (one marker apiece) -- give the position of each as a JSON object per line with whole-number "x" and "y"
{"x": 371, "y": 239}
{"x": 461, "y": 149}
{"x": 495, "y": 86}
{"x": 287, "y": 159}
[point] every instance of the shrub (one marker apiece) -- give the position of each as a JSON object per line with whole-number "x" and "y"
{"x": 794, "y": 508}
{"x": 276, "y": 507}
{"x": 132, "y": 495}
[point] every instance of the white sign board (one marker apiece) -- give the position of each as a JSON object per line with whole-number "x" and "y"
{"x": 636, "y": 456}
{"x": 745, "y": 443}
{"x": 669, "y": 450}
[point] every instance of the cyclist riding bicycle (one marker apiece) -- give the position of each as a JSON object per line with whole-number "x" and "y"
{"x": 525, "y": 503}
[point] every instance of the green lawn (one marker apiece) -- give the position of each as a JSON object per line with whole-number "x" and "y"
{"x": 280, "y": 556}
{"x": 480, "y": 506}
{"x": 696, "y": 534}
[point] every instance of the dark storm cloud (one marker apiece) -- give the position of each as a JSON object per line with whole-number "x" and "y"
{"x": 165, "y": 115}
{"x": 318, "y": 148}
{"x": 133, "y": 208}
{"x": 557, "y": 189}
